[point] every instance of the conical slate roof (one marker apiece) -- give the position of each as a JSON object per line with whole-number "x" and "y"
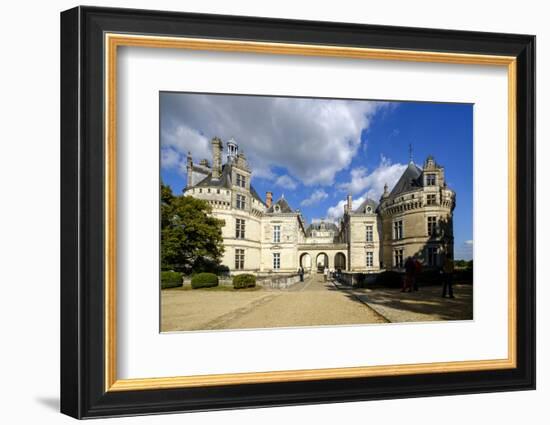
{"x": 410, "y": 180}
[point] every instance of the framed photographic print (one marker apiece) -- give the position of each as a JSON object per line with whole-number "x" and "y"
{"x": 261, "y": 212}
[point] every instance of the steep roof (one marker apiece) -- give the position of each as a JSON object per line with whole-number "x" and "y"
{"x": 367, "y": 202}
{"x": 410, "y": 180}
{"x": 225, "y": 181}
{"x": 317, "y": 226}
{"x": 283, "y": 206}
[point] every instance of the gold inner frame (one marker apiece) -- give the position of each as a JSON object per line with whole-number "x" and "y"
{"x": 113, "y": 41}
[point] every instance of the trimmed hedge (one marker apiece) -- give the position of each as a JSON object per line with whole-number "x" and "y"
{"x": 389, "y": 278}
{"x": 170, "y": 279}
{"x": 204, "y": 280}
{"x": 244, "y": 281}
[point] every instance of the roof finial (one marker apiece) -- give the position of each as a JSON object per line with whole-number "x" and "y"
{"x": 410, "y": 153}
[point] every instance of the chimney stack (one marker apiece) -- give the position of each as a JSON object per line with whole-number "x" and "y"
{"x": 189, "y": 170}
{"x": 268, "y": 199}
{"x": 216, "y": 158}
{"x": 348, "y": 205}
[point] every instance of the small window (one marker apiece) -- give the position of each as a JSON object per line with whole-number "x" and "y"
{"x": 368, "y": 236}
{"x": 370, "y": 259}
{"x": 239, "y": 228}
{"x": 398, "y": 229}
{"x": 398, "y": 258}
{"x": 241, "y": 180}
{"x": 239, "y": 259}
{"x": 432, "y": 226}
{"x": 277, "y": 234}
{"x": 431, "y": 198}
{"x": 241, "y": 202}
{"x": 276, "y": 261}
{"x": 430, "y": 179}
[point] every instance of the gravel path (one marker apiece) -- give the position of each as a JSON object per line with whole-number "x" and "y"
{"x": 311, "y": 303}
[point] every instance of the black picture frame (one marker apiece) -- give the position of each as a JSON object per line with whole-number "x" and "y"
{"x": 83, "y": 392}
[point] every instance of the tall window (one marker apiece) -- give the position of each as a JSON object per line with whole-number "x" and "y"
{"x": 431, "y": 198}
{"x": 239, "y": 259}
{"x": 370, "y": 259}
{"x": 432, "y": 256}
{"x": 430, "y": 179}
{"x": 398, "y": 258}
{"x": 241, "y": 180}
{"x": 277, "y": 233}
{"x": 432, "y": 226}
{"x": 239, "y": 228}
{"x": 276, "y": 261}
{"x": 241, "y": 202}
{"x": 398, "y": 229}
{"x": 369, "y": 234}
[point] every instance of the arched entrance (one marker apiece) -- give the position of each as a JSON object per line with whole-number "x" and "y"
{"x": 321, "y": 261}
{"x": 340, "y": 261}
{"x": 305, "y": 261}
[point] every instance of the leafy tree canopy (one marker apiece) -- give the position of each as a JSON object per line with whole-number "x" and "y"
{"x": 190, "y": 236}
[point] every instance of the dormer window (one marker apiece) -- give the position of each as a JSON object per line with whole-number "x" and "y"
{"x": 430, "y": 179}
{"x": 277, "y": 208}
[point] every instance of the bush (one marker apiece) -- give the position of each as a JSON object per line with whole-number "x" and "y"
{"x": 244, "y": 281}
{"x": 204, "y": 280}
{"x": 429, "y": 277}
{"x": 464, "y": 276}
{"x": 390, "y": 279}
{"x": 361, "y": 280}
{"x": 170, "y": 279}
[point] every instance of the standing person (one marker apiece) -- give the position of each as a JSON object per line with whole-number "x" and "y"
{"x": 301, "y": 273}
{"x": 448, "y": 269}
{"x": 410, "y": 268}
{"x": 417, "y": 270}
{"x": 325, "y": 272}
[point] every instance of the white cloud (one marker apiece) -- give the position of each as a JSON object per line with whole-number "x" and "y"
{"x": 312, "y": 139}
{"x": 316, "y": 197}
{"x": 337, "y": 211}
{"x": 373, "y": 183}
{"x": 169, "y": 158}
{"x": 285, "y": 182}
{"x": 369, "y": 185}
{"x": 469, "y": 242}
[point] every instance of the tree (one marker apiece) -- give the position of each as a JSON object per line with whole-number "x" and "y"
{"x": 190, "y": 236}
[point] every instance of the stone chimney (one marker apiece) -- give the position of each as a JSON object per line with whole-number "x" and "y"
{"x": 216, "y": 158}
{"x": 348, "y": 204}
{"x": 189, "y": 170}
{"x": 268, "y": 199}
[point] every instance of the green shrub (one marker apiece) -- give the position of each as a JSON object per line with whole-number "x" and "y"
{"x": 244, "y": 281}
{"x": 390, "y": 279}
{"x": 464, "y": 276}
{"x": 429, "y": 277}
{"x": 204, "y": 280}
{"x": 170, "y": 279}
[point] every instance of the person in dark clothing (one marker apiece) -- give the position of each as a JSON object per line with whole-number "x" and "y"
{"x": 417, "y": 270}
{"x": 410, "y": 269}
{"x": 448, "y": 269}
{"x": 301, "y": 273}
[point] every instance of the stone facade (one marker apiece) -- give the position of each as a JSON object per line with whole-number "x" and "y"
{"x": 266, "y": 237}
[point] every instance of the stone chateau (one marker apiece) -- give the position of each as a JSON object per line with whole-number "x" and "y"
{"x": 264, "y": 237}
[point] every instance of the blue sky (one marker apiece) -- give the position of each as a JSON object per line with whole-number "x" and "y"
{"x": 315, "y": 151}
